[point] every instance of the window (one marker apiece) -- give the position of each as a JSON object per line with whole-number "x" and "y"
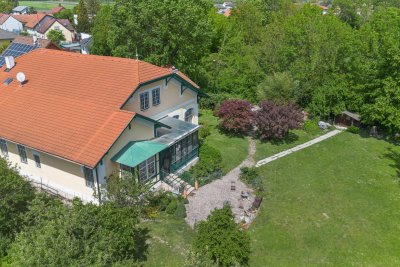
{"x": 144, "y": 100}
{"x": 4, "y": 148}
{"x": 22, "y": 154}
{"x": 36, "y": 157}
{"x": 155, "y": 94}
{"x": 88, "y": 177}
{"x": 147, "y": 169}
{"x": 176, "y": 117}
{"x": 57, "y": 28}
{"x": 189, "y": 115}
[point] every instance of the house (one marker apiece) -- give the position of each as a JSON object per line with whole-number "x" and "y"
{"x": 56, "y": 9}
{"x": 9, "y": 23}
{"x": 31, "y": 21}
{"x": 20, "y": 10}
{"x": 85, "y": 45}
{"x": 24, "y": 44}
{"x": 78, "y": 119}
{"x": 49, "y": 23}
{"x": 6, "y": 37}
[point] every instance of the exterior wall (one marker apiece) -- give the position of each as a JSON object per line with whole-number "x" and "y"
{"x": 172, "y": 102}
{"x": 12, "y": 25}
{"x": 69, "y": 36}
{"x": 140, "y": 130}
{"x": 65, "y": 176}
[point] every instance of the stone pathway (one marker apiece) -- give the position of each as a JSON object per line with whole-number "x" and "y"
{"x": 215, "y": 194}
{"x": 297, "y": 148}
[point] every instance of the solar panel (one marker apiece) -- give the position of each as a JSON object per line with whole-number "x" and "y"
{"x": 16, "y": 50}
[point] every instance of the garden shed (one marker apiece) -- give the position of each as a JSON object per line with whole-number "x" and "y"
{"x": 348, "y": 118}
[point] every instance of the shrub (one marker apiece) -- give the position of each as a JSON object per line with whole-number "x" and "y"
{"x": 311, "y": 127}
{"x": 204, "y": 131}
{"x": 235, "y": 116}
{"x": 160, "y": 199}
{"x": 180, "y": 211}
{"x": 353, "y": 129}
{"x": 274, "y": 121}
{"x": 171, "y": 208}
{"x": 250, "y": 176}
{"x": 220, "y": 239}
{"x": 152, "y": 212}
{"x": 214, "y": 100}
{"x": 209, "y": 167}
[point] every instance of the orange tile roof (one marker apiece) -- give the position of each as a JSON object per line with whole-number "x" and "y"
{"x": 70, "y": 104}
{"x": 30, "y": 20}
{"x": 56, "y": 10}
{"x": 3, "y": 18}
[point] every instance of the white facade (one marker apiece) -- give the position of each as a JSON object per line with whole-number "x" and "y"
{"x": 12, "y": 25}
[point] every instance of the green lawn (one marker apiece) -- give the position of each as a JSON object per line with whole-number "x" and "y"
{"x": 296, "y": 137}
{"x": 170, "y": 241}
{"x": 233, "y": 149}
{"x": 46, "y": 5}
{"x": 336, "y": 203}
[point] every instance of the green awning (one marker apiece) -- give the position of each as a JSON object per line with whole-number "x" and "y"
{"x": 136, "y": 152}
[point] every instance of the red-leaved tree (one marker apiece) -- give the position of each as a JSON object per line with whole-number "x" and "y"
{"x": 235, "y": 116}
{"x": 274, "y": 121}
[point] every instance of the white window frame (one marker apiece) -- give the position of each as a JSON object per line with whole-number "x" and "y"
{"x": 4, "y": 148}
{"x": 191, "y": 115}
{"x": 155, "y": 91}
{"x": 144, "y": 169}
{"x": 88, "y": 182}
{"x": 143, "y": 106}
{"x": 22, "y": 154}
{"x": 38, "y": 164}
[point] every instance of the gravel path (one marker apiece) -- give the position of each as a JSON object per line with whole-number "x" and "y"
{"x": 215, "y": 194}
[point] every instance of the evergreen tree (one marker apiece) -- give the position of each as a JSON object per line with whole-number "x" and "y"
{"x": 83, "y": 18}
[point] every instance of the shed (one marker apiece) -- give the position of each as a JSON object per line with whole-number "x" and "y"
{"x": 348, "y": 118}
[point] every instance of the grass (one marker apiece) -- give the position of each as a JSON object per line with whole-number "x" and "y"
{"x": 296, "y": 137}
{"x": 333, "y": 204}
{"x": 232, "y": 148}
{"x": 46, "y": 5}
{"x": 170, "y": 241}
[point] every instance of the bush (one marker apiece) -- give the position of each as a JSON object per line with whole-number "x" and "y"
{"x": 274, "y": 121}
{"x": 220, "y": 239}
{"x": 250, "y": 176}
{"x": 209, "y": 167}
{"x": 160, "y": 199}
{"x": 204, "y": 131}
{"x": 353, "y": 129}
{"x": 311, "y": 127}
{"x": 214, "y": 100}
{"x": 180, "y": 211}
{"x": 171, "y": 208}
{"x": 235, "y": 116}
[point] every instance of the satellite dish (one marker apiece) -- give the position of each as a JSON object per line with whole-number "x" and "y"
{"x": 21, "y": 77}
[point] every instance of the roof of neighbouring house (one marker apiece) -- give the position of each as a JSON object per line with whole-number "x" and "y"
{"x": 3, "y": 18}
{"x": 70, "y": 106}
{"x": 352, "y": 115}
{"x": 56, "y": 10}
{"x": 19, "y": 8}
{"x": 47, "y": 22}
{"x": 30, "y": 20}
{"x": 24, "y": 44}
{"x": 7, "y": 35}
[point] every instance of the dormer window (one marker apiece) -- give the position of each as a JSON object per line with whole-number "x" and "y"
{"x": 155, "y": 94}
{"x": 144, "y": 100}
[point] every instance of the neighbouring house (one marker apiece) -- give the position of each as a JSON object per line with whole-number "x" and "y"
{"x": 56, "y": 9}
{"x": 348, "y": 118}
{"x": 9, "y": 23}
{"x": 85, "y": 45}
{"x": 78, "y": 119}
{"x": 49, "y": 23}
{"x": 31, "y": 21}
{"x": 6, "y": 37}
{"x": 24, "y": 44}
{"x": 20, "y": 10}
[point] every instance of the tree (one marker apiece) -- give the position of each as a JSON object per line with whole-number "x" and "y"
{"x": 274, "y": 121}
{"x": 92, "y": 6}
{"x": 65, "y": 14}
{"x": 56, "y": 36}
{"x": 220, "y": 239}
{"x": 235, "y": 116}
{"x": 174, "y": 32}
{"x": 15, "y": 195}
{"x": 6, "y": 6}
{"x": 278, "y": 87}
{"x": 83, "y": 17}
{"x": 100, "y": 32}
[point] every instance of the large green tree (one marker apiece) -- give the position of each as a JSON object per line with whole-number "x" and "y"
{"x": 83, "y": 17}
{"x": 100, "y": 32}
{"x": 163, "y": 32}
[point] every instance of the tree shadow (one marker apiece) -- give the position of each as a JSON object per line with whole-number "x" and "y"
{"x": 288, "y": 139}
{"x": 141, "y": 236}
{"x": 230, "y": 134}
{"x": 395, "y": 157}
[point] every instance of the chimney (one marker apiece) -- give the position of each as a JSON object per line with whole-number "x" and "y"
{"x": 9, "y": 62}
{"x": 174, "y": 70}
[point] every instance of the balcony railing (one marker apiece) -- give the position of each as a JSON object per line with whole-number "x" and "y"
{"x": 184, "y": 159}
